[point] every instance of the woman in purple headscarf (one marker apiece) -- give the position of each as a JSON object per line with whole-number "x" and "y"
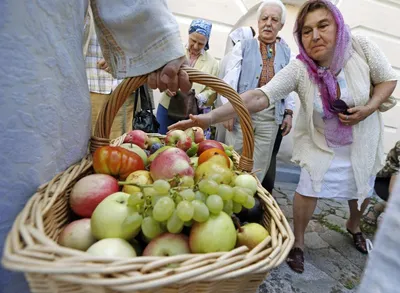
{"x": 199, "y": 58}
{"x": 339, "y": 130}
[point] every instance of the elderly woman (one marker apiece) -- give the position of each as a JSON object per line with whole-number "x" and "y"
{"x": 338, "y": 135}
{"x": 199, "y": 58}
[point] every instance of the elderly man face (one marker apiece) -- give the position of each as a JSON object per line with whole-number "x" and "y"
{"x": 269, "y": 23}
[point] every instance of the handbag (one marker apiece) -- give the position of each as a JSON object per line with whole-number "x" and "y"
{"x": 183, "y": 104}
{"x": 144, "y": 120}
{"x": 391, "y": 101}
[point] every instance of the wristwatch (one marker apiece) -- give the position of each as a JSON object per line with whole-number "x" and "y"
{"x": 288, "y": 112}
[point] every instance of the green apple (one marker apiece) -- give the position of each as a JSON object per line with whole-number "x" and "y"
{"x": 251, "y": 235}
{"x": 136, "y": 149}
{"x": 112, "y": 247}
{"x": 167, "y": 244}
{"x": 216, "y": 234}
{"x": 113, "y": 218}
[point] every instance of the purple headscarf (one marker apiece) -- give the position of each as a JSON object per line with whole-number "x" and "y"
{"x": 336, "y": 134}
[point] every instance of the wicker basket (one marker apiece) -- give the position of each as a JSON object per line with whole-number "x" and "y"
{"x": 31, "y": 247}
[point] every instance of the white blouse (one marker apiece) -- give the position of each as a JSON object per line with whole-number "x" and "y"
{"x": 311, "y": 150}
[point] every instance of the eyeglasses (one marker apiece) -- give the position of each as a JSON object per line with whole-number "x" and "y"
{"x": 339, "y": 106}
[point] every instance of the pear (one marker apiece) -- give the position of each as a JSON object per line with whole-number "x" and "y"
{"x": 210, "y": 167}
{"x": 251, "y": 235}
{"x": 139, "y": 177}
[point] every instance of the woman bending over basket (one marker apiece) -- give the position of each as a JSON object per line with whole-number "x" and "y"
{"x": 44, "y": 101}
{"x": 339, "y": 132}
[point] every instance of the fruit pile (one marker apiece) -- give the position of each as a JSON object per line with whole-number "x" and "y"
{"x": 159, "y": 198}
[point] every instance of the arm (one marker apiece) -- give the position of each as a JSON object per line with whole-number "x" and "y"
{"x": 139, "y": 38}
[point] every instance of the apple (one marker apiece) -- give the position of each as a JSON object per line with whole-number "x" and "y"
{"x": 251, "y": 235}
{"x": 89, "y": 191}
{"x": 216, "y": 234}
{"x": 113, "y": 218}
{"x": 179, "y": 139}
{"x": 112, "y": 247}
{"x": 139, "y": 177}
{"x": 170, "y": 163}
{"x": 153, "y": 140}
{"x": 77, "y": 235}
{"x": 136, "y": 149}
{"x": 247, "y": 181}
{"x": 196, "y": 134}
{"x": 208, "y": 144}
{"x": 137, "y": 137}
{"x": 210, "y": 168}
{"x": 167, "y": 244}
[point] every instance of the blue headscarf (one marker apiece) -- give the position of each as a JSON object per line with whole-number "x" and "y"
{"x": 202, "y": 27}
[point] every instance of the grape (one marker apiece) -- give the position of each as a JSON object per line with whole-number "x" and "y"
{"x": 228, "y": 207}
{"x": 208, "y": 186}
{"x": 161, "y": 186}
{"x": 201, "y": 212}
{"x": 151, "y": 228}
{"x": 250, "y": 202}
{"x": 200, "y": 196}
{"x": 215, "y": 204}
{"x": 225, "y": 192}
{"x": 155, "y": 198}
{"x": 178, "y": 199}
{"x": 185, "y": 210}
{"x": 248, "y": 191}
{"x": 188, "y": 223}
{"x": 174, "y": 224}
{"x": 216, "y": 177}
{"x": 240, "y": 195}
{"x": 135, "y": 199}
{"x": 148, "y": 212}
{"x": 237, "y": 207}
{"x": 163, "y": 209}
{"x": 149, "y": 191}
{"x": 133, "y": 221}
{"x": 187, "y": 194}
{"x": 186, "y": 181}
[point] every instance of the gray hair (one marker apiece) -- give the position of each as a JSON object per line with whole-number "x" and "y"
{"x": 270, "y": 3}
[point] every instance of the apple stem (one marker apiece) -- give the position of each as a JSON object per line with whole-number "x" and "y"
{"x": 236, "y": 221}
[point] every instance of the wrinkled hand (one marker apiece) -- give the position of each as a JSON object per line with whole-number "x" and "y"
{"x": 201, "y": 120}
{"x": 103, "y": 65}
{"x": 356, "y": 115}
{"x": 286, "y": 125}
{"x": 229, "y": 124}
{"x": 170, "y": 77}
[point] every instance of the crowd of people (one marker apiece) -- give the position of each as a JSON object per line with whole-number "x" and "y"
{"x": 81, "y": 51}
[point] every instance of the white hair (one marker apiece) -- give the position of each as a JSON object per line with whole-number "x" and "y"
{"x": 270, "y": 3}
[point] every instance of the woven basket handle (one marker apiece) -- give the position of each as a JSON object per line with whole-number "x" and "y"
{"x": 129, "y": 85}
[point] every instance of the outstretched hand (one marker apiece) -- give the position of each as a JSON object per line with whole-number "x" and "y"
{"x": 170, "y": 77}
{"x": 201, "y": 120}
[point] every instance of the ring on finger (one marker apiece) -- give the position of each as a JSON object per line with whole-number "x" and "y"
{"x": 347, "y": 117}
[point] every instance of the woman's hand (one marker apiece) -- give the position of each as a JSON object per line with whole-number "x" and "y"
{"x": 170, "y": 77}
{"x": 103, "y": 65}
{"x": 356, "y": 115}
{"x": 202, "y": 120}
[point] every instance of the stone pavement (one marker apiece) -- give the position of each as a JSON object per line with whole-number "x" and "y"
{"x": 332, "y": 264}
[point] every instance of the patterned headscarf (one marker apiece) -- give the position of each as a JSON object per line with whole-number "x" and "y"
{"x": 336, "y": 133}
{"x": 202, "y": 27}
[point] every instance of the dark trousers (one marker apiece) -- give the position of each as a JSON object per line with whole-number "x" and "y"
{"x": 269, "y": 179}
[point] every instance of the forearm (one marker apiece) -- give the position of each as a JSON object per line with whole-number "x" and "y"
{"x": 254, "y": 101}
{"x": 381, "y": 93}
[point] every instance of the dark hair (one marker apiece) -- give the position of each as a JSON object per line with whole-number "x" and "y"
{"x": 253, "y": 31}
{"x": 307, "y": 7}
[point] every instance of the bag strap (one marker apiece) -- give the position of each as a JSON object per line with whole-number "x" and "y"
{"x": 136, "y": 101}
{"x": 144, "y": 92}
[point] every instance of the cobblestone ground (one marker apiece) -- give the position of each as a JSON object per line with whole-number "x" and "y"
{"x": 332, "y": 264}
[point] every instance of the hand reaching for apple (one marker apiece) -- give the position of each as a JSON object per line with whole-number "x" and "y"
{"x": 202, "y": 121}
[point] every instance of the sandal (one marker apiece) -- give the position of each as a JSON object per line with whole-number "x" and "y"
{"x": 369, "y": 220}
{"x": 359, "y": 242}
{"x": 295, "y": 260}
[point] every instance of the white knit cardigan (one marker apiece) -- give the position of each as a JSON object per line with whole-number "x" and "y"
{"x": 310, "y": 148}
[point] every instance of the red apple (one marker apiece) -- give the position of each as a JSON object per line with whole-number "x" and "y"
{"x": 179, "y": 139}
{"x": 196, "y": 134}
{"x": 208, "y": 144}
{"x": 137, "y": 137}
{"x": 89, "y": 191}
{"x": 169, "y": 163}
{"x": 77, "y": 235}
{"x": 167, "y": 244}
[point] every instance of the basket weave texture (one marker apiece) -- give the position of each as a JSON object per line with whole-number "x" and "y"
{"x": 31, "y": 246}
